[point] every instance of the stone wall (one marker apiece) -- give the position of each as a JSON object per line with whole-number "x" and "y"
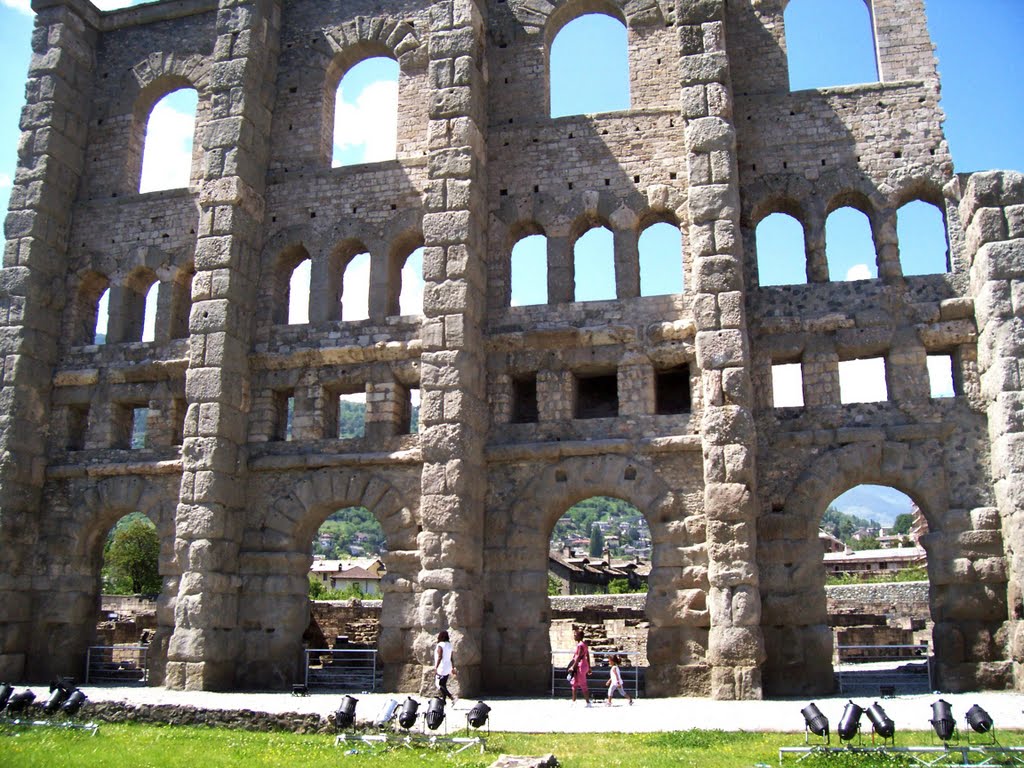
{"x": 732, "y": 488}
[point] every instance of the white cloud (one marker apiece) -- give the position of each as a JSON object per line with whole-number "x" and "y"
{"x": 167, "y": 162}
{"x": 23, "y": 6}
{"x": 371, "y": 122}
{"x": 859, "y": 272}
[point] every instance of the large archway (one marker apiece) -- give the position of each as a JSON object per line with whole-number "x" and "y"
{"x": 517, "y": 604}
{"x": 275, "y": 581}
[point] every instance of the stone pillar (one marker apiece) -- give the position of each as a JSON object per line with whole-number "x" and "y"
{"x": 50, "y": 161}
{"x": 454, "y": 417}
{"x": 207, "y": 646}
{"x": 992, "y": 211}
{"x": 735, "y": 644}
{"x": 561, "y": 270}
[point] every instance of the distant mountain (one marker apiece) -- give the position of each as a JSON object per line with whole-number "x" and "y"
{"x": 874, "y": 502}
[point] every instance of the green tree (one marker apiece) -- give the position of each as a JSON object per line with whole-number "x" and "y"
{"x": 317, "y": 590}
{"x": 596, "y": 541}
{"x": 131, "y": 560}
{"x": 901, "y": 526}
{"x": 554, "y": 586}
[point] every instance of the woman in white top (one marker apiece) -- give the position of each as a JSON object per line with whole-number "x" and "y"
{"x": 443, "y": 666}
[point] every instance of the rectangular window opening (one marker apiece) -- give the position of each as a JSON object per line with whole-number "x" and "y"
{"x": 78, "y": 425}
{"x": 284, "y": 413}
{"x": 351, "y": 415}
{"x": 787, "y": 385}
{"x": 672, "y": 390}
{"x": 138, "y": 435}
{"x": 524, "y": 399}
{"x": 862, "y": 381}
{"x": 940, "y": 376}
{"x": 597, "y": 396}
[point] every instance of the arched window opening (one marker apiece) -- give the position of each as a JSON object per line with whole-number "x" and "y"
{"x": 589, "y": 66}
{"x": 876, "y": 519}
{"x": 138, "y": 296}
{"x": 149, "y": 313}
{"x": 366, "y": 113}
{"x": 131, "y": 557}
{"x": 829, "y": 44}
{"x": 921, "y": 231}
{"x": 863, "y": 380}
{"x": 941, "y": 377}
{"x": 347, "y": 558}
{"x": 355, "y": 288}
{"x": 787, "y": 385}
{"x": 102, "y": 316}
{"x": 410, "y": 300}
{"x": 594, "y": 265}
{"x": 661, "y": 259}
{"x": 781, "y": 251}
{"x": 530, "y": 271}
{"x": 298, "y": 293}
{"x": 167, "y": 156}
{"x": 849, "y": 246}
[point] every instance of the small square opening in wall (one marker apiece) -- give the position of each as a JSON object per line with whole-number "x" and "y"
{"x": 524, "y": 399}
{"x": 597, "y": 396}
{"x": 672, "y": 390}
{"x": 863, "y": 380}
{"x": 351, "y": 414}
{"x": 940, "y": 375}
{"x": 787, "y": 385}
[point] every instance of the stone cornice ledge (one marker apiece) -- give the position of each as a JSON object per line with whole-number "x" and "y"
{"x": 554, "y": 450}
{"x": 325, "y": 460}
{"x": 113, "y": 469}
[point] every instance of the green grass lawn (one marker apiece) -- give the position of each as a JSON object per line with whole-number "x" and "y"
{"x": 149, "y": 746}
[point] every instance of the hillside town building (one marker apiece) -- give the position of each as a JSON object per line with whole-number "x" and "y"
{"x": 663, "y": 401}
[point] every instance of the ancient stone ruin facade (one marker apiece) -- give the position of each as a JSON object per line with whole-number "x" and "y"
{"x": 733, "y": 488}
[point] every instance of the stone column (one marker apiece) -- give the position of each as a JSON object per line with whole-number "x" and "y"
{"x": 50, "y": 161}
{"x": 735, "y": 644}
{"x": 992, "y": 211}
{"x": 207, "y": 646}
{"x": 453, "y": 416}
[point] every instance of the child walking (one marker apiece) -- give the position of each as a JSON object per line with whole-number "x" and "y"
{"x": 615, "y": 681}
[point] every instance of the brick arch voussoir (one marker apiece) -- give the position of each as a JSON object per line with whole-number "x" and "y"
{"x": 663, "y": 203}
{"x": 366, "y": 36}
{"x": 158, "y": 74}
{"x": 329, "y": 489}
{"x": 917, "y": 184}
{"x": 563, "y": 12}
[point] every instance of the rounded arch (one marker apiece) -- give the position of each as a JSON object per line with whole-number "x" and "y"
{"x": 111, "y": 499}
{"x": 159, "y": 74}
{"x": 363, "y": 38}
{"x": 404, "y": 240}
{"x": 568, "y": 12}
{"x": 84, "y": 313}
{"x": 897, "y": 465}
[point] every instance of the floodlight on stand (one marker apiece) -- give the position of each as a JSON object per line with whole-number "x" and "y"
{"x": 942, "y": 720}
{"x": 407, "y": 717}
{"x": 814, "y": 721}
{"x": 849, "y": 724}
{"x": 435, "y": 713}
{"x": 881, "y": 723}
{"x": 74, "y": 703}
{"x": 6, "y": 689}
{"x": 20, "y": 701}
{"x": 477, "y": 717}
{"x": 980, "y": 721}
{"x": 58, "y": 695}
{"x": 386, "y": 713}
{"x": 346, "y": 714}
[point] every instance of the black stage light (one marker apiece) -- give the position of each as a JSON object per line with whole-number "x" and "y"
{"x": 435, "y": 713}
{"x": 880, "y": 722}
{"x": 478, "y": 715}
{"x": 942, "y": 720}
{"x": 74, "y": 703}
{"x": 6, "y": 689}
{"x": 20, "y": 701}
{"x": 814, "y": 721}
{"x": 849, "y": 724}
{"x": 346, "y": 714}
{"x": 300, "y": 689}
{"x": 979, "y": 719}
{"x": 407, "y": 717}
{"x": 58, "y": 695}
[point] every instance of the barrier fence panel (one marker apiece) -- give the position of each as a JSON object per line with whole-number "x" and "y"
{"x": 885, "y": 669}
{"x": 353, "y": 669}
{"x": 116, "y": 664}
{"x": 632, "y": 676}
